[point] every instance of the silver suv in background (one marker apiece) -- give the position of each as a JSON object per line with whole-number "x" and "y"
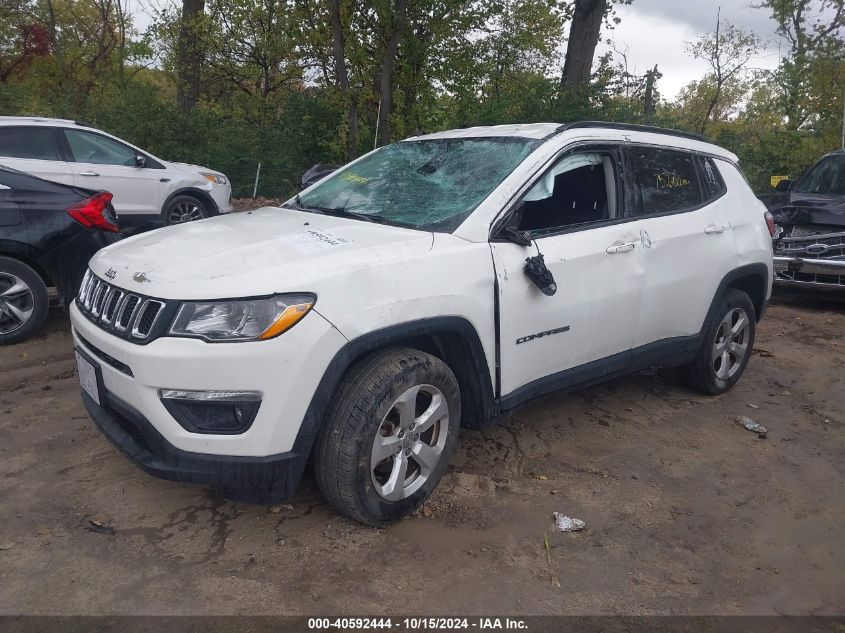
{"x": 146, "y": 189}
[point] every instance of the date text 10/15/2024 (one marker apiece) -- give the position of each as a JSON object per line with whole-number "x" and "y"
{"x": 417, "y": 623}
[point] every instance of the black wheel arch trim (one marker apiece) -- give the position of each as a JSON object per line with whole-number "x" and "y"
{"x": 469, "y": 365}
{"x": 193, "y": 192}
{"x": 758, "y": 272}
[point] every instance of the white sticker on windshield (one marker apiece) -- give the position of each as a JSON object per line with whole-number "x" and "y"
{"x": 315, "y": 240}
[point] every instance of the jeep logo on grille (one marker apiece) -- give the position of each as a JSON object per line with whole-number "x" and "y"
{"x": 817, "y": 249}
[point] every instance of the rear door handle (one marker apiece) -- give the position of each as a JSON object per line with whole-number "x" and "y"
{"x": 88, "y": 173}
{"x": 714, "y": 229}
{"x": 620, "y": 248}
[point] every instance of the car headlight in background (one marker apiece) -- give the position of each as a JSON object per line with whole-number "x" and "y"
{"x": 218, "y": 179}
{"x": 241, "y": 319}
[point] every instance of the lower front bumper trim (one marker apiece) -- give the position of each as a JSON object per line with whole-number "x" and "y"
{"x": 257, "y": 479}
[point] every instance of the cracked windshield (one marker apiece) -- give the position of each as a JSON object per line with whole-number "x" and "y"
{"x": 430, "y": 184}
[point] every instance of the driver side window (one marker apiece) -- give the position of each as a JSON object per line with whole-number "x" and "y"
{"x": 579, "y": 189}
{"x": 87, "y": 147}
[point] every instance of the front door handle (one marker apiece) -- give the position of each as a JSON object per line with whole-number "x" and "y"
{"x": 88, "y": 173}
{"x": 714, "y": 229}
{"x": 618, "y": 247}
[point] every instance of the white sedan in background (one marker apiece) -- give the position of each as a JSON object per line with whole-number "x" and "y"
{"x": 146, "y": 189}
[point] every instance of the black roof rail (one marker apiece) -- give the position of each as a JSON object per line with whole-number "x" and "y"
{"x": 633, "y": 127}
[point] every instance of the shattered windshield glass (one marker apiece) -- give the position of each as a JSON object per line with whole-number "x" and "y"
{"x": 429, "y": 184}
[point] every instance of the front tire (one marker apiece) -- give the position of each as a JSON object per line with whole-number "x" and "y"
{"x": 389, "y": 435}
{"x": 23, "y": 301}
{"x": 183, "y": 209}
{"x": 726, "y": 348}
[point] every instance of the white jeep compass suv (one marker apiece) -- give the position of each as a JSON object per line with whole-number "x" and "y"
{"x": 146, "y": 189}
{"x": 434, "y": 283}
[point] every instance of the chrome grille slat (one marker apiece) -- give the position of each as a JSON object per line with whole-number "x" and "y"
{"x": 83, "y": 286}
{"x": 110, "y": 304}
{"x": 99, "y": 297}
{"x": 812, "y": 246}
{"x": 122, "y": 324}
{"x": 89, "y": 295}
{"x": 138, "y": 329}
{"x": 127, "y": 315}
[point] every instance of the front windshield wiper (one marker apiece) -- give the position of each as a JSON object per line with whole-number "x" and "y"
{"x": 339, "y": 212}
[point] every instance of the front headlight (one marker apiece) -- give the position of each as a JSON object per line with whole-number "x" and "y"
{"x": 218, "y": 179}
{"x": 241, "y": 319}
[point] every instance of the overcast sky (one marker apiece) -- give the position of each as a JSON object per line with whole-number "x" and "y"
{"x": 655, "y": 32}
{"x": 652, "y": 32}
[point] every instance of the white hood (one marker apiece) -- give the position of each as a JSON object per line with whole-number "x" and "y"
{"x": 255, "y": 253}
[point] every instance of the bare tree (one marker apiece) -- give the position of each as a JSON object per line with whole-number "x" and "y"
{"x": 727, "y": 51}
{"x": 649, "y": 100}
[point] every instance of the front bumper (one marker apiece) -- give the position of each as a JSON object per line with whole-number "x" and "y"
{"x": 285, "y": 370}
{"x": 222, "y": 196}
{"x": 802, "y": 272}
{"x": 267, "y": 479}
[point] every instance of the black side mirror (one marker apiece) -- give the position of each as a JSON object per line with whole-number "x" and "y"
{"x": 140, "y": 161}
{"x": 536, "y": 270}
{"x": 315, "y": 174}
{"x": 784, "y": 185}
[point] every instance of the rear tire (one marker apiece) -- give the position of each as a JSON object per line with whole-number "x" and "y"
{"x": 726, "y": 348}
{"x": 23, "y": 301}
{"x": 389, "y": 435}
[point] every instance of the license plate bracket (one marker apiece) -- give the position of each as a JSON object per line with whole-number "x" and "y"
{"x": 89, "y": 376}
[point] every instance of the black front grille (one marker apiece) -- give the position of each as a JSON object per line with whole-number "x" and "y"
{"x": 125, "y": 314}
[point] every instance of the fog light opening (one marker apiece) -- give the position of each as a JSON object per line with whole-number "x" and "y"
{"x": 212, "y": 412}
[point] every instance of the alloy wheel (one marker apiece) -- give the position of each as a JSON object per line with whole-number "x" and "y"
{"x": 16, "y": 302}
{"x": 409, "y": 442}
{"x": 730, "y": 346}
{"x": 185, "y": 211}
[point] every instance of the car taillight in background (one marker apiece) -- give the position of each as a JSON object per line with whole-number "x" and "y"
{"x": 770, "y": 223}
{"x": 94, "y": 212}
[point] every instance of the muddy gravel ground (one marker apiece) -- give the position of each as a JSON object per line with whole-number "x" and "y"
{"x": 686, "y": 512}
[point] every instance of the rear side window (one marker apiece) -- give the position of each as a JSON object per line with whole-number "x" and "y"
{"x": 28, "y": 142}
{"x": 711, "y": 179}
{"x": 661, "y": 181}
{"x": 87, "y": 147}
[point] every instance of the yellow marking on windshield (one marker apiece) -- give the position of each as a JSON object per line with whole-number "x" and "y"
{"x": 360, "y": 180}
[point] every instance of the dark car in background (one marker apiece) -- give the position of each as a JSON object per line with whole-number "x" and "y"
{"x": 809, "y": 248}
{"x": 48, "y": 232}
{"x": 316, "y": 174}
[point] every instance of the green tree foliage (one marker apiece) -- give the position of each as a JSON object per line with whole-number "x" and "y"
{"x": 726, "y": 51}
{"x": 290, "y": 83}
